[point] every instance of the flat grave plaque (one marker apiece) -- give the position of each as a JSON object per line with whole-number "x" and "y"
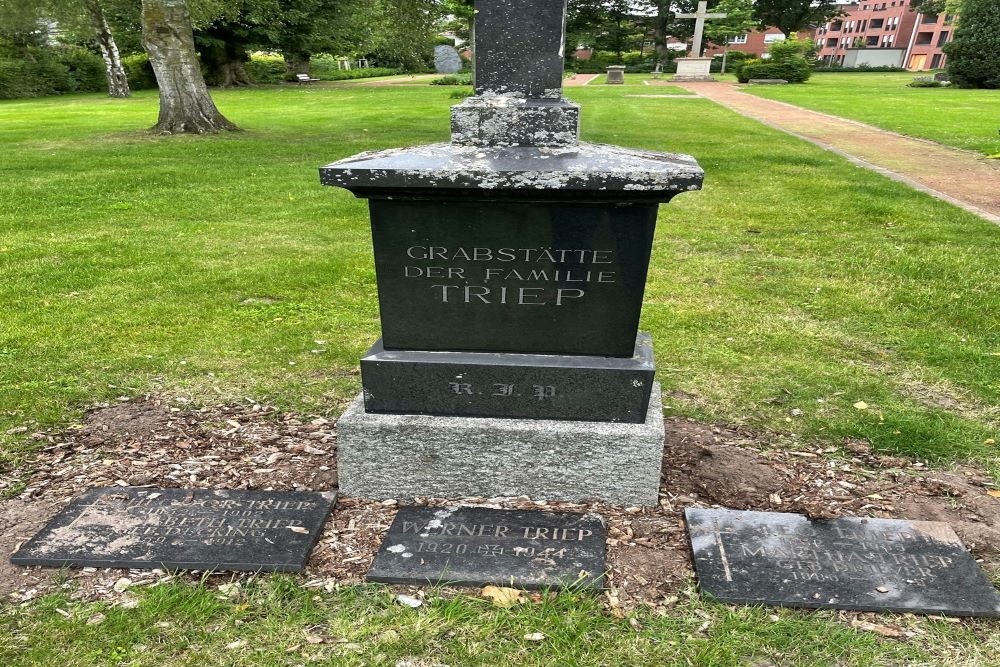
{"x": 847, "y": 563}
{"x": 475, "y": 546}
{"x": 191, "y": 529}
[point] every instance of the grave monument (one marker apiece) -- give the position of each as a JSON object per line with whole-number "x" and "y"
{"x": 510, "y": 265}
{"x": 695, "y": 67}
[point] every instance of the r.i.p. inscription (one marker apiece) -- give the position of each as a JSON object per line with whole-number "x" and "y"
{"x": 474, "y": 546}
{"x": 846, "y": 563}
{"x": 199, "y": 529}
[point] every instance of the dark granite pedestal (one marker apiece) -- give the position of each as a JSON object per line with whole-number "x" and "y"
{"x": 533, "y": 386}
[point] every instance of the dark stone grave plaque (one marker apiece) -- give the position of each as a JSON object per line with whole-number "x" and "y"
{"x": 190, "y": 529}
{"x": 846, "y": 563}
{"x": 475, "y": 546}
{"x": 525, "y": 386}
{"x": 544, "y": 278}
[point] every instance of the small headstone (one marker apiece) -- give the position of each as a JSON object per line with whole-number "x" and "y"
{"x": 446, "y": 59}
{"x": 191, "y": 529}
{"x": 616, "y": 74}
{"x": 475, "y": 546}
{"x": 846, "y": 563}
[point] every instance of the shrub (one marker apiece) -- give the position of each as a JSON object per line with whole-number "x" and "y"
{"x": 453, "y": 80}
{"x": 789, "y": 60}
{"x": 859, "y": 68}
{"x": 87, "y": 73}
{"x": 139, "y": 72}
{"x": 266, "y": 68}
{"x": 46, "y": 71}
{"x": 14, "y": 80}
{"x": 792, "y": 71}
{"x": 974, "y": 54}
{"x": 926, "y": 82}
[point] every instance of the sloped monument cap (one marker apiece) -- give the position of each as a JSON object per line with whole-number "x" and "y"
{"x": 593, "y": 171}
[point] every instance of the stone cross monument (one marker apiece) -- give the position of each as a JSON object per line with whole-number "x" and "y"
{"x": 694, "y": 67}
{"x": 510, "y": 265}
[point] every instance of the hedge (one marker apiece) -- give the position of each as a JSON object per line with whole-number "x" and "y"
{"x": 793, "y": 71}
{"x": 49, "y": 71}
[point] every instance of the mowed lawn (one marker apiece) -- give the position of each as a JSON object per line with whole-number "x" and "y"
{"x": 792, "y": 288}
{"x": 968, "y": 119}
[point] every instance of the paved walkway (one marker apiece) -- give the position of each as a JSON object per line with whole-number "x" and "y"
{"x": 579, "y": 80}
{"x": 963, "y": 178}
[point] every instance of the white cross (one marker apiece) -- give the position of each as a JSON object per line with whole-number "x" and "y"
{"x": 699, "y": 25}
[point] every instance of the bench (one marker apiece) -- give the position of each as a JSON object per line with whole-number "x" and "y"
{"x": 305, "y": 79}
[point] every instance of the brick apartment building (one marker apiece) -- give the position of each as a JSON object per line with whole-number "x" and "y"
{"x": 887, "y": 32}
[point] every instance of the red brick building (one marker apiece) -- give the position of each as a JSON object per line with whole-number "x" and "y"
{"x": 754, "y": 42}
{"x": 909, "y": 39}
{"x": 931, "y": 32}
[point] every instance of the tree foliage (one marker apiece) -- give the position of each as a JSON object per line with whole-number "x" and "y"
{"x": 791, "y": 16}
{"x": 974, "y": 54}
{"x": 739, "y": 19}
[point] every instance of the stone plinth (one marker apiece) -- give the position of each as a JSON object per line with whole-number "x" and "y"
{"x": 616, "y": 74}
{"x": 489, "y": 384}
{"x": 693, "y": 69}
{"x": 402, "y": 456}
{"x": 507, "y": 120}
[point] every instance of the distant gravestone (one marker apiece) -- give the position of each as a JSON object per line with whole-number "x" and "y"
{"x": 446, "y": 59}
{"x": 847, "y": 563}
{"x": 474, "y": 546}
{"x": 616, "y": 74}
{"x": 194, "y": 529}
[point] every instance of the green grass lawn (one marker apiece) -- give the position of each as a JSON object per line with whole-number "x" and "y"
{"x": 218, "y": 267}
{"x": 968, "y": 119}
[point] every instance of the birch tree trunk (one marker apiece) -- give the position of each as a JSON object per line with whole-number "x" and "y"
{"x": 117, "y": 81}
{"x": 185, "y": 105}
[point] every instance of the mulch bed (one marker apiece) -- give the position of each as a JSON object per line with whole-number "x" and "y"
{"x": 151, "y": 441}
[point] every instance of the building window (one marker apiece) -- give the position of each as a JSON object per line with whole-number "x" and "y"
{"x": 936, "y": 61}
{"x": 871, "y": 41}
{"x": 738, "y": 39}
{"x": 769, "y": 39}
{"x": 929, "y": 18}
{"x": 837, "y": 25}
{"x": 924, "y": 38}
{"x": 831, "y": 43}
{"x": 943, "y": 38}
{"x": 876, "y": 24}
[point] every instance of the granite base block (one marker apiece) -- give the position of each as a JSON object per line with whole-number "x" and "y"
{"x": 384, "y": 456}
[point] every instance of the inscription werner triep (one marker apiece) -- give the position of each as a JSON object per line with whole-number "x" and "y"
{"x": 182, "y": 529}
{"x": 476, "y": 546}
{"x": 846, "y": 563}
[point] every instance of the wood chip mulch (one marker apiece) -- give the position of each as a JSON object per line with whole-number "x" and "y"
{"x": 155, "y": 441}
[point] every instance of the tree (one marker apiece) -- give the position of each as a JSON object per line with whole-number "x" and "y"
{"x": 185, "y": 105}
{"x": 974, "y": 54}
{"x": 317, "y": 26}
{"x": 791, "y": 16}
{"x": 927, "y": 6}
{"x": 739, "y": 19}
{"x": 117, "y": 80}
